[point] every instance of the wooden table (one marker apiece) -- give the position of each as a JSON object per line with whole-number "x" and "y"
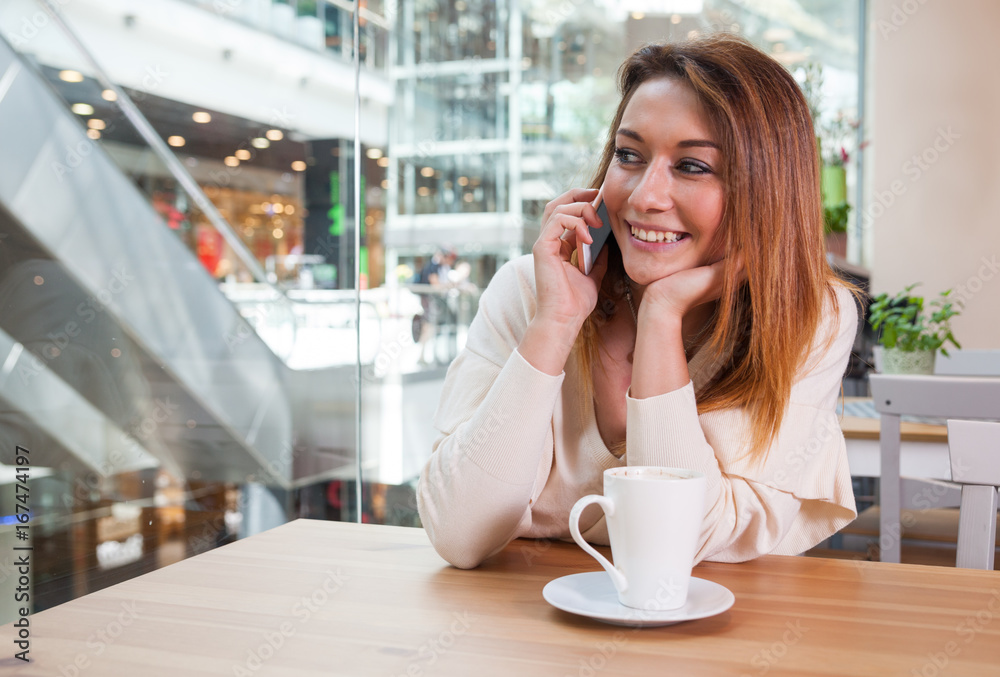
{"x": 315, "y": 598}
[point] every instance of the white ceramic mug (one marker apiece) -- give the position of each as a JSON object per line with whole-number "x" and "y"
{"x": 654, "y": 518}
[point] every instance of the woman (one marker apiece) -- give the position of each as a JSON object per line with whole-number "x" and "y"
{"x": 711, "y": 333}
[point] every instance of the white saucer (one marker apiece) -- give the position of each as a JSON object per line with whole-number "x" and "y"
{"x": 593, "y": 595}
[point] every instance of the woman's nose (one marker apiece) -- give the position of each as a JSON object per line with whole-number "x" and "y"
{"x": 653, "y": 192}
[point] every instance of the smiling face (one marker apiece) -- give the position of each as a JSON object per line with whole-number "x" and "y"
{"x": 662, "y": 190}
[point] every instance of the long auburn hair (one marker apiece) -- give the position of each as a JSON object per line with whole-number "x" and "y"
{"x": 772, "y": 216}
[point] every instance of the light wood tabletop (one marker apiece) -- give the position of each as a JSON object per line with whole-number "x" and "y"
{"x": 865, "y": 428}
{"x": 315, "y": 598}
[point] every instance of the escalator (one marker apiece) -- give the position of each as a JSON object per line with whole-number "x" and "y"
{"x": 117, "y": 348}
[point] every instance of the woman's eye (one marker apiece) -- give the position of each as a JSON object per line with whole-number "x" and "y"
{"x": 625, "y": 157}
{"x": 693, "y": 167}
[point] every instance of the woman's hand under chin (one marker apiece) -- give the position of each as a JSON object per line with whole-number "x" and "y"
{"x": 659, "y": 347}
{"x": 675, "y": 295}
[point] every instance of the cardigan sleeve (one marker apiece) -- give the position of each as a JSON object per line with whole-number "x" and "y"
{"x": 800, "y": 493}
{"x": 495, "y": 418}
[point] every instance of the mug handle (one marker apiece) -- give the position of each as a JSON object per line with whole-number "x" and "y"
{"x": 574, "y": 528}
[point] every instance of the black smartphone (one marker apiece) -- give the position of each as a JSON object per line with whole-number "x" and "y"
{"x": 589, "y": 252}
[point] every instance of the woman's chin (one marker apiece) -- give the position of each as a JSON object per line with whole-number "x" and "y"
{"x": 645, "y": 275}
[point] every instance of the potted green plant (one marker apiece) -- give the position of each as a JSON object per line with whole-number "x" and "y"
{"x": 834, "y": 135}
{"x": 909, "y": 336}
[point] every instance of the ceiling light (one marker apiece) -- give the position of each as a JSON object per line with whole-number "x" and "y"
{"x": 638, "y": 16}
{"x": 242, "y": 154}
{"x": 427, "y": 171}
{"x": 423, "y": 191}
{"x": 260, "y": 142}
{"x": 374, "y": 153}
{"x": 96, "y": 123}
{"x": 176, "y": 141}
{"x": 383, "y": 161}
{"x": 201, "y": 116}
{"x": 274, "y": 134}
{"x": 278, "y": 233}
{"x": 278, "y": 208}
{"x": 299, "y": 166}
{"x": 231, "y": 161}
{"x": 289, "y": 209}
{"x": 675, "y": 19}
{"x": 71, "y": 76}
{"x": 93, "y": 134}
{"x": 82, "y": 109}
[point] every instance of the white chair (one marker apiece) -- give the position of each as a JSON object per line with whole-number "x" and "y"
{"x": 974, "y": 447}
{"x": 949, "y": 397}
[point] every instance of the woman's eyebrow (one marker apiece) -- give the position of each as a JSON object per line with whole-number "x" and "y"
{"x": 687, "y": 143}
{"x": 698, "y": 143}
{"x": 631, "y": 134}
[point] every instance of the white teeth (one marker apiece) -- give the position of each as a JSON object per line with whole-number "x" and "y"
{"x": 655, "y": 235}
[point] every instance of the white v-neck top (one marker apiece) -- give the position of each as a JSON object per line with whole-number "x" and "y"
{"x": 518, "y": 447}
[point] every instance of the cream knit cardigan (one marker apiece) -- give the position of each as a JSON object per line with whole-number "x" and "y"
{"x": 519, "y": 447}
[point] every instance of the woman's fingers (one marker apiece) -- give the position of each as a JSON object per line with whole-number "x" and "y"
{"x": 569, "y": 197}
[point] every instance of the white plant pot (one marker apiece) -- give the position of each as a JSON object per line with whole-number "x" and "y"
{"x": 895, "y": 361}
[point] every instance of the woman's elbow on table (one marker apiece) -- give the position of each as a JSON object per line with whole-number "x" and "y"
{"x": 464, "y": 538}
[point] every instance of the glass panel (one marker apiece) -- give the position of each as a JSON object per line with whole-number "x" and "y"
{"x": 498, "y": 108}
{"x": 179, "y": 325}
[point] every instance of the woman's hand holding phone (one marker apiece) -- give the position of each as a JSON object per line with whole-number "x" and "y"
{"x": 565, "y": 295}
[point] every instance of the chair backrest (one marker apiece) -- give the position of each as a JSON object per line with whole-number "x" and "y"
{"x": 974, "y": 447}
{"x": 967, "y": 397}
{"x": 968, "y": 363}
